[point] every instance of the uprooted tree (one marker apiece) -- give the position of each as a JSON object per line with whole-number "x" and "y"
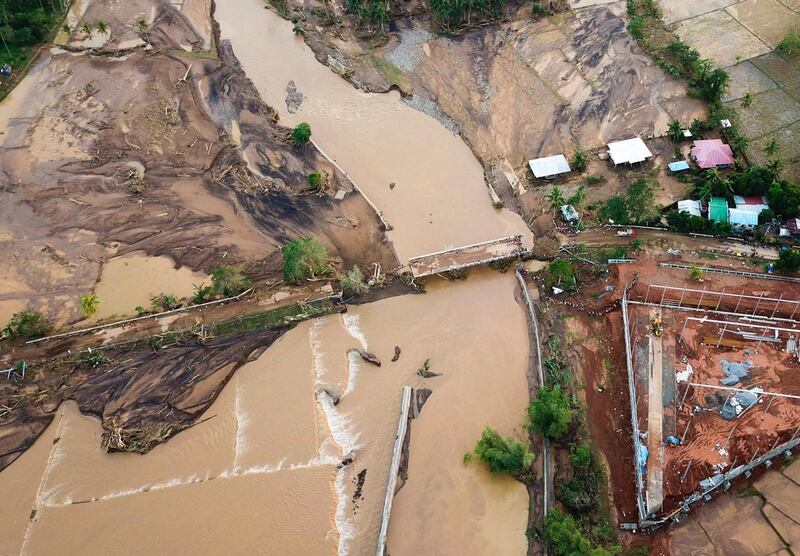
{"x": 503, "y": 455}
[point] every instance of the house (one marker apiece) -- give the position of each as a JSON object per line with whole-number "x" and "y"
{"x": 629, "y": 151}
{"x": 689, "y": 206}
{"x": 712, "y": 153}
{"x": 718, "y": 209}
{"x": 549, "y": 166}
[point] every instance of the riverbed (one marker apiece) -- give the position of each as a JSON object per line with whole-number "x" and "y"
{"x": 276, "y": 465}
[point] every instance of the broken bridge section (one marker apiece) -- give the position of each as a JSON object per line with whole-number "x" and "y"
{"x": 460, "y": 258}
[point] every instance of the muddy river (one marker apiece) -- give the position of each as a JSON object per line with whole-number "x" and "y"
{"x": 438, "y": 199}
{"x": 267, "y": 456}
{"x": 262, "y": 471}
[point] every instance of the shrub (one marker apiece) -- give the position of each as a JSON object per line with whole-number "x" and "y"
{"x": 315, "y": 180}
{"x": 564, "y": 538}
{"x": 301, "y": 133}
{"x": 27, "y": 324}
{"x": 551, "y": 412}
{"x": 579, "y": 160}
{"x": 303, "y": 258}
{"x": 164, "y": 302}
{"x": 636, "y": 27}
{"x": 789, "y": 47}
{"x": 353, "y": 281}
{"x": 503, "y": 455}
{"x": 202, "y": 293}
{"x": 595, "y": 180}
{"x": 89, "y": 304}
{"x": 581, "y": 493}
{"x": 695, "y": 273}
{"x": 228, "y": 282}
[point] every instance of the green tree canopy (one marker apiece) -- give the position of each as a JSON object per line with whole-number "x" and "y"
{"x": 303, "y": 258}
{"x": 788, "y": 261}
{"x": 564, "y": 537}
{"x": 551, "y": 412}
{"x": 503, "y": 455}
{"x": 301, "y": 133}
{"x": 784, "y": 199}
{"x": 228, "y": 282}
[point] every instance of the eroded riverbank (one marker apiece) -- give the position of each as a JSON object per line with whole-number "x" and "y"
{"x": 423, "y": 177}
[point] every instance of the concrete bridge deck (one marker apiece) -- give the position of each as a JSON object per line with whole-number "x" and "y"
{"x": 459, "y": 258}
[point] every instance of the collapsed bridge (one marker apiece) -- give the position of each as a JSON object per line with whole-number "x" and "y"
{"x": 467, "y": 256}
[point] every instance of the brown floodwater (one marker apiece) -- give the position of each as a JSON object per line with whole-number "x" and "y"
{"x": 439, "y": 198}
{"x": 133, "y": 280}
{"x": 260, "y": 474}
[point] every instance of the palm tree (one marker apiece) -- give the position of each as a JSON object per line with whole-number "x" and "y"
{"x": 555, "y": 197}
{"x": 102, "y": 27}
{"x": 86, "y": 28}
{"x": 774, "y": 167}
{"x": 675, "y": 131}
{"x": 696, "y": 273}
{"x": 89, "y": 304}
{"x": 771, "y": 148}
{"x": 739, "y": 142}
{"x": 141, "y": 25}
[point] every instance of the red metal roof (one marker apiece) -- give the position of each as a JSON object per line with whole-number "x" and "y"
{"x": 710, "y": 153}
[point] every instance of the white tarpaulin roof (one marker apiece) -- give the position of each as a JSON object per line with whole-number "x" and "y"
{"x": 549, "y": 166}
{"x": 746, "y": 218}
{"x": 690, "y": 206}
{"x": 629, "y": 151}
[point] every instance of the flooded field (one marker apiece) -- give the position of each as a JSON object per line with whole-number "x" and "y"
{"x": 268, "y": 450}
{"x": 423, "y": 177}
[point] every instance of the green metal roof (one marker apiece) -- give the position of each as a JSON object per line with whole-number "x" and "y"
{"x": 718, "y": 209}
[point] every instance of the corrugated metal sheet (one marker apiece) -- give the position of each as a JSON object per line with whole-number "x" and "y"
{"x": 690, "y": 206}
{"x": 629, "y": 151}
{"x": 549, "y": 166}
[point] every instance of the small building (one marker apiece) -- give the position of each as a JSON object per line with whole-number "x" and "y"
{"x": 678, "y": 167}
{"x": 689, "y": 206}
{"x": 718, "y": 209}
{"x": 743, "y": 219}
{"x": 570, "y": 215}
{"x": 629, "y": 151}
{"x": 549, "y": 166}
{"x": 712, "y": 153}
{"x": 792, "y": 226}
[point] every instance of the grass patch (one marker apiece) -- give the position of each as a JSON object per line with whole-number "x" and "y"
{"x": 392, "y": 73}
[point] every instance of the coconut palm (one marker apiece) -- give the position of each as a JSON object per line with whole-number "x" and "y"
{"x": 771, "y": 148}
{"x": 102, "y": 27}
{"x": 675, "y": 131}
{"x": 89, "y": 304}
{"x": 774, "y": 167}
{"x": 86, "y": 28}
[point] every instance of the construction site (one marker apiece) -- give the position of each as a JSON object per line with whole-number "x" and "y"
{"x": 714, "y": 385}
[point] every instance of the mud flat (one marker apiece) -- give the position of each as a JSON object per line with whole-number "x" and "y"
{"x": 133, "y": 280}
{"x": 438, "y": 191}
{"x": 268, "y": 450}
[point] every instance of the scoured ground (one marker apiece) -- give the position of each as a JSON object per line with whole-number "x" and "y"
{"x": 142, "y": 398}
{"x": 101, "y": 128}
